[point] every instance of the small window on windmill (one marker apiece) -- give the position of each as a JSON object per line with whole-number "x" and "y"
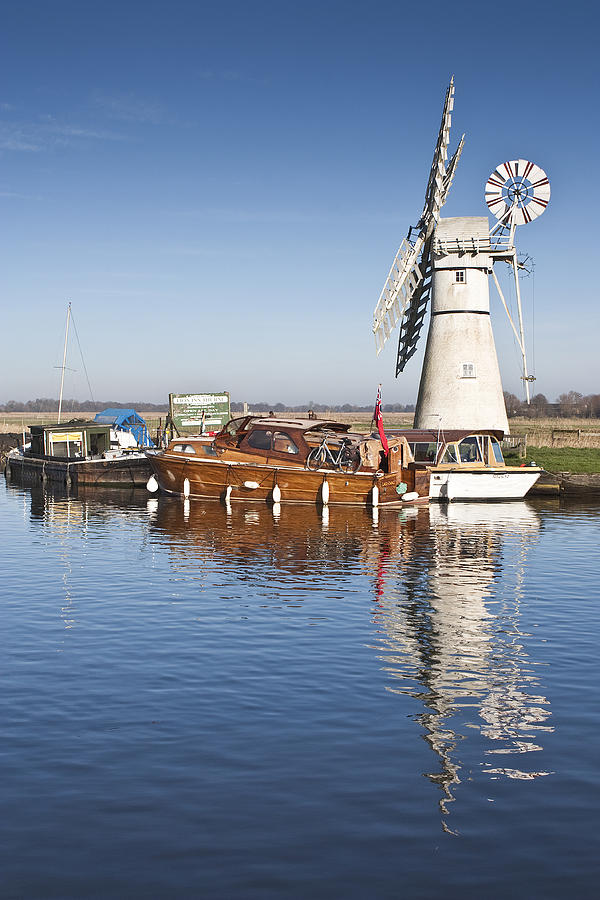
{"x": 460, "y": 276}
{"x": 468, "y": 370}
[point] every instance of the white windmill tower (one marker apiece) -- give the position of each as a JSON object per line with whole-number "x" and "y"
{"x": 451, "y": 259}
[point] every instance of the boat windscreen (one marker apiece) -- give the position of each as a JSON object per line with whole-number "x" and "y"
{"x": 450, "y": 454}
{"x": 234, "y": 425}
{"x": 470, "y": 450}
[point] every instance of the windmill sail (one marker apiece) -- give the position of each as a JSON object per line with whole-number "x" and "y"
{"x": 407, "y": 287}
{"x": 403, "y": 278}
{"x": 414, "y": 314}
{"x": 450, "y": 171}
{"x": 434, "y": 195}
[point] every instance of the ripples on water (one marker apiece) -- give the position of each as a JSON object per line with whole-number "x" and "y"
{"x": 247, "y": 702}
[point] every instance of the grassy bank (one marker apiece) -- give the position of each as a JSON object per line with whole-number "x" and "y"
{"x": 577, "y": 460}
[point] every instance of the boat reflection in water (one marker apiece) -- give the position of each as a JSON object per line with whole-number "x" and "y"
{"x": 448, "y": 586}
{"x": 79, "y": 514}
{"x": 445, "y": 585}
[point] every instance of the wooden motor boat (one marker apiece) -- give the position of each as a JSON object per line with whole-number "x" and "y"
{"x": 468, "y": 465}
{"x": 281, "y": 459}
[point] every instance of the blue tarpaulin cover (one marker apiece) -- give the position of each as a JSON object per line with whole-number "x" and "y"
{"x": 126, "y": 420}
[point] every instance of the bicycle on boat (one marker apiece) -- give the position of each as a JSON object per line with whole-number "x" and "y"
{"x": 342, "y": 456}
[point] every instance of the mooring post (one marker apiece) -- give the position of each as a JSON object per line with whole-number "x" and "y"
{"x": 523, "y": 447}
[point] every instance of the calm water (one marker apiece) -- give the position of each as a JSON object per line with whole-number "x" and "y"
{"x": 203, "y": 703}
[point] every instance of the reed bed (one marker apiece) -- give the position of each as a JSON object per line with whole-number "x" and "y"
{"x": 578, "y": 433}
{"x": 548, "y": 432}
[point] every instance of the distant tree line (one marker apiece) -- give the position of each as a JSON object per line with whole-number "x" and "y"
{"x": 569, "y": 405}
{"x": 46, "y": 404}
{"x": 237, "y": 406}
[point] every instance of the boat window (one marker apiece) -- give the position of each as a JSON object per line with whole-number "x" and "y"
{"x": 283, "y": 443}
{"x": 182, "y": 448}
{"x": 424, "y": 452}
{"x": 66, "y": 448}
{"x": 260, "y": 439}
{"x": 60, "y": 448}
{"x": 469, "y": 450}
{"x": 98, "y": 443}
{"x": 497, "y": 451}
{"x": 66, "y": 444}
{"x": 450, "y": 454}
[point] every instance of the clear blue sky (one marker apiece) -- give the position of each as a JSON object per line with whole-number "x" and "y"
{"x": 220, "y": 188}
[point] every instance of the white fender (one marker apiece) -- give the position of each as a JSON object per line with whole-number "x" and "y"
{"x": 276, "y": 494}
{"x": 251, "y": 485}
{"x": 375, "y": 496}
{"x": 152, "y": 485}
{"x": 325, "y": 493}
{"x": 228, "y": 491}
{"x": 186, "y": 487}
{"x": 408, "y": 498}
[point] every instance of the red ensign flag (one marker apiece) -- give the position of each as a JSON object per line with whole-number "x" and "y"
{"x": 379, "y": 421}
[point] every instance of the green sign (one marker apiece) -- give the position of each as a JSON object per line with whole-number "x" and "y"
{"x": 195, "y": 413}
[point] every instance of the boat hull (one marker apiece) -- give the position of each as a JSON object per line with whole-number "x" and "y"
{"x": 132, "y": 470}
{"x": 234, "y": 480}
{"x": 482, "y": 484}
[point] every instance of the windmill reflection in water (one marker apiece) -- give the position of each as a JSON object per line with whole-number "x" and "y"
{"x": 449, "y": 615}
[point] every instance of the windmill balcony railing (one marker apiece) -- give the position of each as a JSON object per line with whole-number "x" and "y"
{"x": 466, "y": 243}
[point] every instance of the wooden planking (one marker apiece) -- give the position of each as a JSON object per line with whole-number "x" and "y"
{"x": 210, "y": 479}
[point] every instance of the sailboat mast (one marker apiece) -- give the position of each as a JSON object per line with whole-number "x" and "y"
{"x": 62, "y": 376}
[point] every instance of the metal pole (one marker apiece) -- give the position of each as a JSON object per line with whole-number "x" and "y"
{"x": 518, "y": 291}
{"x": 512, "y": 324}
{"x": 62, "y": 376}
